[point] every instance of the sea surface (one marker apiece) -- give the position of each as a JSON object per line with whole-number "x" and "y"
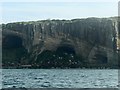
{"x": 59, "y": 78}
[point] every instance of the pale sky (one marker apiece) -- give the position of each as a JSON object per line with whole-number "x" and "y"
{"x": 32, "y": 11}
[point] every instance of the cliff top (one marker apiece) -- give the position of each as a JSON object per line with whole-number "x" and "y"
{"x": 65, "y": 20}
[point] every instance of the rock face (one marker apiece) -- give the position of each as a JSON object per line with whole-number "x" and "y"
{"x": 93, "y": 41}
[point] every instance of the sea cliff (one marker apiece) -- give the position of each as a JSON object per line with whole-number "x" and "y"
{"x": 76, "y": 43}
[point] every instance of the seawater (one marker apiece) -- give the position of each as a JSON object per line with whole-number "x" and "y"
{"x": 59, "y": 78}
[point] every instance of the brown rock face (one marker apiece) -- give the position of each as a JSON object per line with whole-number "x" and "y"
{"x": 95, "y": 39}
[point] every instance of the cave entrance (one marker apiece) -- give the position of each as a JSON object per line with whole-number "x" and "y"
{"x": 64, "y": 57}
{"x": 13, "y": 51}
{"x": 12, "y": 41}
{"x": 65, "y": 49}
{"x": 101, "y": 59}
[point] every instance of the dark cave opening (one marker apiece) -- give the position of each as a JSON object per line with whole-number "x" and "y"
{"x": 66, "y": 49}
{"x": 102, "y": 59}
{"x": 12, "y": 41}
{"x": 12, "y": 50}
{"x": 64, "y": 56}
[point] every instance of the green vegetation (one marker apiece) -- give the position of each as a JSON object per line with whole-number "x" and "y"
{"x": 59, "y": 59}
{"x": 47, "y": 59}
